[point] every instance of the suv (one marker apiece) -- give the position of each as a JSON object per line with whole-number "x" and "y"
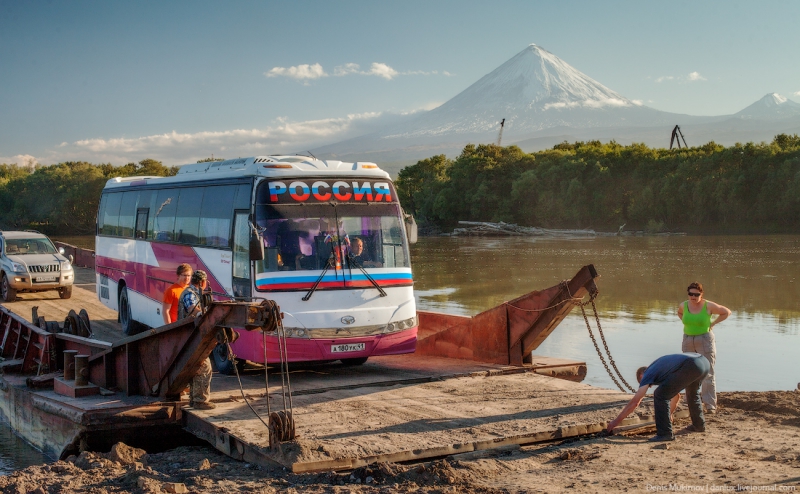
{"x": 30, "y": 263}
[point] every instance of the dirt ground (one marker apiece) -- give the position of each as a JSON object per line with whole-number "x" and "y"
{"x": 751, "y": 444}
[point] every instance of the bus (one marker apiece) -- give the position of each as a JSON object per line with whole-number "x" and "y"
{"x": 326, "y": 240}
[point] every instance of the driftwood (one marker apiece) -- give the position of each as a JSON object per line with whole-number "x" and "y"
{"x": 502, "y": 229}
{"x": 510, "y": 229}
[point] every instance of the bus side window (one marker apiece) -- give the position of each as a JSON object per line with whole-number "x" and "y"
{"x": 111, "y": 213}
{"x": 127, "y": 212}
{"x": 164, "y": 215}
{"x": 141, "y": 223}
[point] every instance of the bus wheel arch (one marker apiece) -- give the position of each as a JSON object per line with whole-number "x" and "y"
{"x": 129, "y": 326}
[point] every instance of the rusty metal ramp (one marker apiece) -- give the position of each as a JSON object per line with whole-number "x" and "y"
{"x": 350, "y": 421}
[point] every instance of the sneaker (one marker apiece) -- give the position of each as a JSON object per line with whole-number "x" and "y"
{"x": 661, "y": 439}
{"x": 692, "y": 428}
{"x": 204, "y": 405}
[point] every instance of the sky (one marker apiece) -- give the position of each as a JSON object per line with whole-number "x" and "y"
{"x": 175, "y": 81}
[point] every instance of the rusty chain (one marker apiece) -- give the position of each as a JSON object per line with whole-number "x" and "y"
{"x": 605, "y": 345}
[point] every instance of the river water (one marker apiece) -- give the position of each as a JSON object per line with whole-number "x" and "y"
{"x": 642, "y": 281}
{"x": 15, "y": 453}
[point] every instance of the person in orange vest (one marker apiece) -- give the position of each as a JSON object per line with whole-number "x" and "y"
{"x": 169, "y": 307}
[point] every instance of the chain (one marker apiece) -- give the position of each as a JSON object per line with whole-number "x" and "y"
{"x": 597, "y": 348}
{"x": 608, "y": 352}
{"x": 582, "y": 304}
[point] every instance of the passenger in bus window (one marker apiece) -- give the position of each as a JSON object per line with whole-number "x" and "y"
{"x": 169, "y": 308}
{"x": 360, "y": 256}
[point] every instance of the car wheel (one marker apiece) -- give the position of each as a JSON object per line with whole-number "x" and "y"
{"x": 65, "y": 292}
{"x": 354, "y": 361}
{"x": 8, "y": 293}
{"x": 225, "y": 364}
{"x": 129, "y": 326}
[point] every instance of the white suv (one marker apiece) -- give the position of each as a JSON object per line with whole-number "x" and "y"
{"x": 30, "y": 263}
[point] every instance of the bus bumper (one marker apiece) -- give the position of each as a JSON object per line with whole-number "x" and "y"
{"x": 250, "y": 346}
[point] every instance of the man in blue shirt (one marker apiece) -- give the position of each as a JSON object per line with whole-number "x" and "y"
{"x": 672, "y": 374}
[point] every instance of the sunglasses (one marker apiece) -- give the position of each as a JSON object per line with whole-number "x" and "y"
{"x": 693, "y": 294}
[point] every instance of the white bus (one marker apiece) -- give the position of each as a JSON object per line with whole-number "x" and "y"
{"x": 331, "y": 250}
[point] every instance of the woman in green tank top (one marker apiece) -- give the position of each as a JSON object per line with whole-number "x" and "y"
{"x": 698, "y": 336}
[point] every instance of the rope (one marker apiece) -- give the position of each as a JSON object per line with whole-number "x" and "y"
{"x": 565, "y": 286}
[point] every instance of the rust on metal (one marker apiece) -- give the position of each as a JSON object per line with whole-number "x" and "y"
{"x": 508, "y": 333}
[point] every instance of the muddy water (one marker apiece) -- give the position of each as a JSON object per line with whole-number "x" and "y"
{"x": 15, "y": 453}
{"x": 643, "y": 279}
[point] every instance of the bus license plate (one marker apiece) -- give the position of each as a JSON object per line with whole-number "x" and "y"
{"x": 349, "y": 347}
{"x": 45, "y": 278}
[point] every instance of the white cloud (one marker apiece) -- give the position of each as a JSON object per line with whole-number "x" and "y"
{"x": 20, "y": 160}
{"x": 637, "y": 102}
{"x": 589, "y": 103}
{"x": 300, "y": 72}
{"x": 382, "y": 70}
{"x": 796, "y": 93}
{"x": 307, "y": 72}
{"x": 693, "y": 76}
{"x": 282, "y": 136}
{"x": 346, "y": 69}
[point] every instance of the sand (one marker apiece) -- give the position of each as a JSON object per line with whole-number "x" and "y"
{"x": 752, "y": 443}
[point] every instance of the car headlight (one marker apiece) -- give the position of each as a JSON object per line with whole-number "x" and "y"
{"x": 18, "y": 268}
{"x": 66, "y": 266}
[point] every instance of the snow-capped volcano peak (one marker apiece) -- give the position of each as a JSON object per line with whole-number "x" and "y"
{"x": 533, "y": 90}
{"x": 771, "y": 105}
{"x": 549, "y": 80}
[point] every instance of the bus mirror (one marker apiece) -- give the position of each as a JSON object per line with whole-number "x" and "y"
{"x": 256, "y": 247}
{"x": 411, "y": 228}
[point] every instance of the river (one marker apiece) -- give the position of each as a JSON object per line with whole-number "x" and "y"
{"x": 642, "y": 281}
{"x": 15, "y": 453}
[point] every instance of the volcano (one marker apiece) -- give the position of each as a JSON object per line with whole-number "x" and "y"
{"x": 544, "y": 100}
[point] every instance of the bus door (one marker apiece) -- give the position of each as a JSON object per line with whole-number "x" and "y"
{"x": 241, "y": 254}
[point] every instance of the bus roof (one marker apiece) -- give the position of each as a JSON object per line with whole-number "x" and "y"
{"x": 259, "y": 166}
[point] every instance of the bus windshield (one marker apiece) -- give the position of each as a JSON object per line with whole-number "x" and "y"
{"x": 310, "y": 236}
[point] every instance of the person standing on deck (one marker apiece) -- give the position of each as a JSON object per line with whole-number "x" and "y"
{"x": 697, "y": 336}
{"x": 169, "y": 307}
{"x": 189, "y": 305}
{"x": 672, "y": 374}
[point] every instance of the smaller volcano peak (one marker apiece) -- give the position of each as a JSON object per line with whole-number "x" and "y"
{"x": 771, "y": 105}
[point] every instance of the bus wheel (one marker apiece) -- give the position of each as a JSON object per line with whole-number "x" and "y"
{"x": 224, "y": 362}
{"x": 129, "y": 326}
{"x": 354, "y": 361}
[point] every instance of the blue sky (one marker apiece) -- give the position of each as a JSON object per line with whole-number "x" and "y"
{"x": 177, "y": 81}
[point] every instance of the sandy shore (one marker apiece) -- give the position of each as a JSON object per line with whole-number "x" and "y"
{"x": 753, "y": 443}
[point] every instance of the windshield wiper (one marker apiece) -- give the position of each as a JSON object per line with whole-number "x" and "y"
{"x": 352, "y": 261}
{"x": 330, "y": 262}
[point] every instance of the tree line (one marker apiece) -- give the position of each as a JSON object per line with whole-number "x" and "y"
{"x": 62, "y": 198}
{"x": 744, "y": 188}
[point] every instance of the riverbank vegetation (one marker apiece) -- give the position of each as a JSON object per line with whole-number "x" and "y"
{"x": 62, "y": 198}
{"x": 706, "y": 189}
